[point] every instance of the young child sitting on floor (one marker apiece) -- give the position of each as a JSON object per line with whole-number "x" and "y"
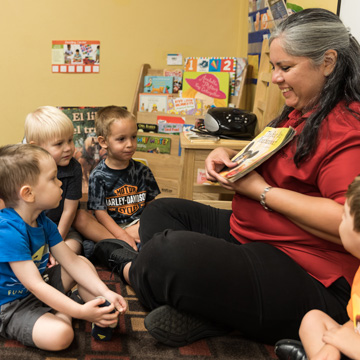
{"x": 51, "y": 129}
{"x": 34, "y": 307}
{"x": 119, "y": 187}
{"x": 321, "y": 336}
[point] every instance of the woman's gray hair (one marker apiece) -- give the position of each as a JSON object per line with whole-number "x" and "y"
{"x": 311, "y": 33}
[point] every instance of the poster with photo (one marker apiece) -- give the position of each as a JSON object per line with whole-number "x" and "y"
{"x": 75, "y": 56}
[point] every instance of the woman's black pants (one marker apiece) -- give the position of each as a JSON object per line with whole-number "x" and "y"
{"x": 190, "y": 261}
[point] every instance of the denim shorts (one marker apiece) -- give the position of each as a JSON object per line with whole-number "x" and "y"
{"x": 18, "y": 317}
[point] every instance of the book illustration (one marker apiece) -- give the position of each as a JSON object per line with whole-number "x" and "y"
{"x": 144, "y": 127}
{"x": 241, "y": 64}
{"x": 214, "y": 64}
{"x": 211, "y": 88}
{"x": 153, "y": 102}
{"x": 269, "y": 141}
{"x": 153, "y": 144}
{"x": 158, "y": 84}
{"x": 169, "y": 128}
{"x": 177, "y": 75}
{"x": 87, "y": 148}
{"x": 278, "y": 10}
{"x": 184, "y": 106}
{"x": 170, "y": 119}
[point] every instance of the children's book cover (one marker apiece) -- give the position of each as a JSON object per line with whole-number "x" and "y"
{"x": 177, "y": 75}
{"x": 184, "y": 106}
{"x": 213, "y": 64}
{"x": 211, "y": 88}
{"x": 153, "y": 102}
{"x": 153, "y": 144}
{"x": 87, "y": 149}
{"x": 158, "y": 84}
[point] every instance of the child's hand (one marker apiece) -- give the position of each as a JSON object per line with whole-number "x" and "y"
{"x": 101, "y": 316}
{"x": 117, "y": 300}
{"x": 133, "y": 231}
{"x": 130, "y": 240}
{"x": 52, "y": 262}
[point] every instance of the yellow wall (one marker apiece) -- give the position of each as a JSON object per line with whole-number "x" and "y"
{"x": 131, "y": 32}
{"x": 325, "y": 4}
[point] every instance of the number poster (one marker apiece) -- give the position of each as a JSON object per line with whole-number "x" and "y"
{"x": 213, "y": 64}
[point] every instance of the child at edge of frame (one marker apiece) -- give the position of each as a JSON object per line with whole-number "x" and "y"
{"x": 35, "y": 308}
{"x": 321, "y": 336}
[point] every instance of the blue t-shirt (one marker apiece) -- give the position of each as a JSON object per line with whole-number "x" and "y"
{"x": 21, "y": 242}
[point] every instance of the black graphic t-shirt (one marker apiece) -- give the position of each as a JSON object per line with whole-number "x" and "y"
{"x": 123, "y": 193}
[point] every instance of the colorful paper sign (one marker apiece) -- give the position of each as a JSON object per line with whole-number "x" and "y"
{"x": 75, "y": 56}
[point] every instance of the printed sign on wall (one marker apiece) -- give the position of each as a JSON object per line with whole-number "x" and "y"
{"x": 75, "y": 56}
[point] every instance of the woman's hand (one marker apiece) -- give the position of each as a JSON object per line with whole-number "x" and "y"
{"x": 216, "y": 161}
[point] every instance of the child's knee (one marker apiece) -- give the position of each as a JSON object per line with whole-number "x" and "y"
{"x": 312, "y": 317}
{"x": 63, "y": 337}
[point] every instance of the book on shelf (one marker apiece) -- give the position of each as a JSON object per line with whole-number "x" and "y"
{"x": 212, "y": 88}
{"x": 158, "y": 84}
{"x": 153, "y": 102}
{"x": 184, "y": 106}
{"x": 177, "y": 75}
{"x": 263, "y": 146}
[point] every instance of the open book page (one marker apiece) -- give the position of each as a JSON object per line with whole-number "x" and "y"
{"x": 269, "y": 141}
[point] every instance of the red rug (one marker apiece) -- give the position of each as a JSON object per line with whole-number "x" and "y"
{"x": 132, "y": 342}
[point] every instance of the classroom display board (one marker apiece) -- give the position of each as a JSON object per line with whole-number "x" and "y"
{"x": 75, "y": 56}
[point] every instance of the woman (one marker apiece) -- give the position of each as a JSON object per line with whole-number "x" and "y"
{"x": 261, "y": 267}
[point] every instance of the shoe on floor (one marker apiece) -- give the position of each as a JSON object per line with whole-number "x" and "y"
{"x": 104, "y": 249}
{"x": 88, "y": 248}
{"x": 103, "y": 333}
{"x": 290, "y": 350}
{"x": 174, "y": 328}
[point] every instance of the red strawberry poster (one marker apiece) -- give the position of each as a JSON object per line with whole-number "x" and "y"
{"x": 75, "y": 56}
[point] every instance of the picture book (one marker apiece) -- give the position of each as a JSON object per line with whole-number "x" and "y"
{"x": 144, "y": 127}
{"x": 87, "y": 149}
{"x": 158, "y": 84}
{"x": 153, "y": 144}
{"x": 214, "y": 64}
{"x": 212, "y": 88}
{"x": 241, "y": 64}
{"x": 153, "y": 102}
{"x": 169, "y": 128}
{"x": 268, "y": 142}
{"x": 170, "y": 119}
{"x": 184, "y": 106}
{"x": 177, "y": 75}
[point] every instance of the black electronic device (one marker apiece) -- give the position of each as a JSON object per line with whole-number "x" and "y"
{"x": 230, "y": 123}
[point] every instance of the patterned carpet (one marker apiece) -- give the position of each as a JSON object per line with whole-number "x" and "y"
{"x": 132, "y": 342}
